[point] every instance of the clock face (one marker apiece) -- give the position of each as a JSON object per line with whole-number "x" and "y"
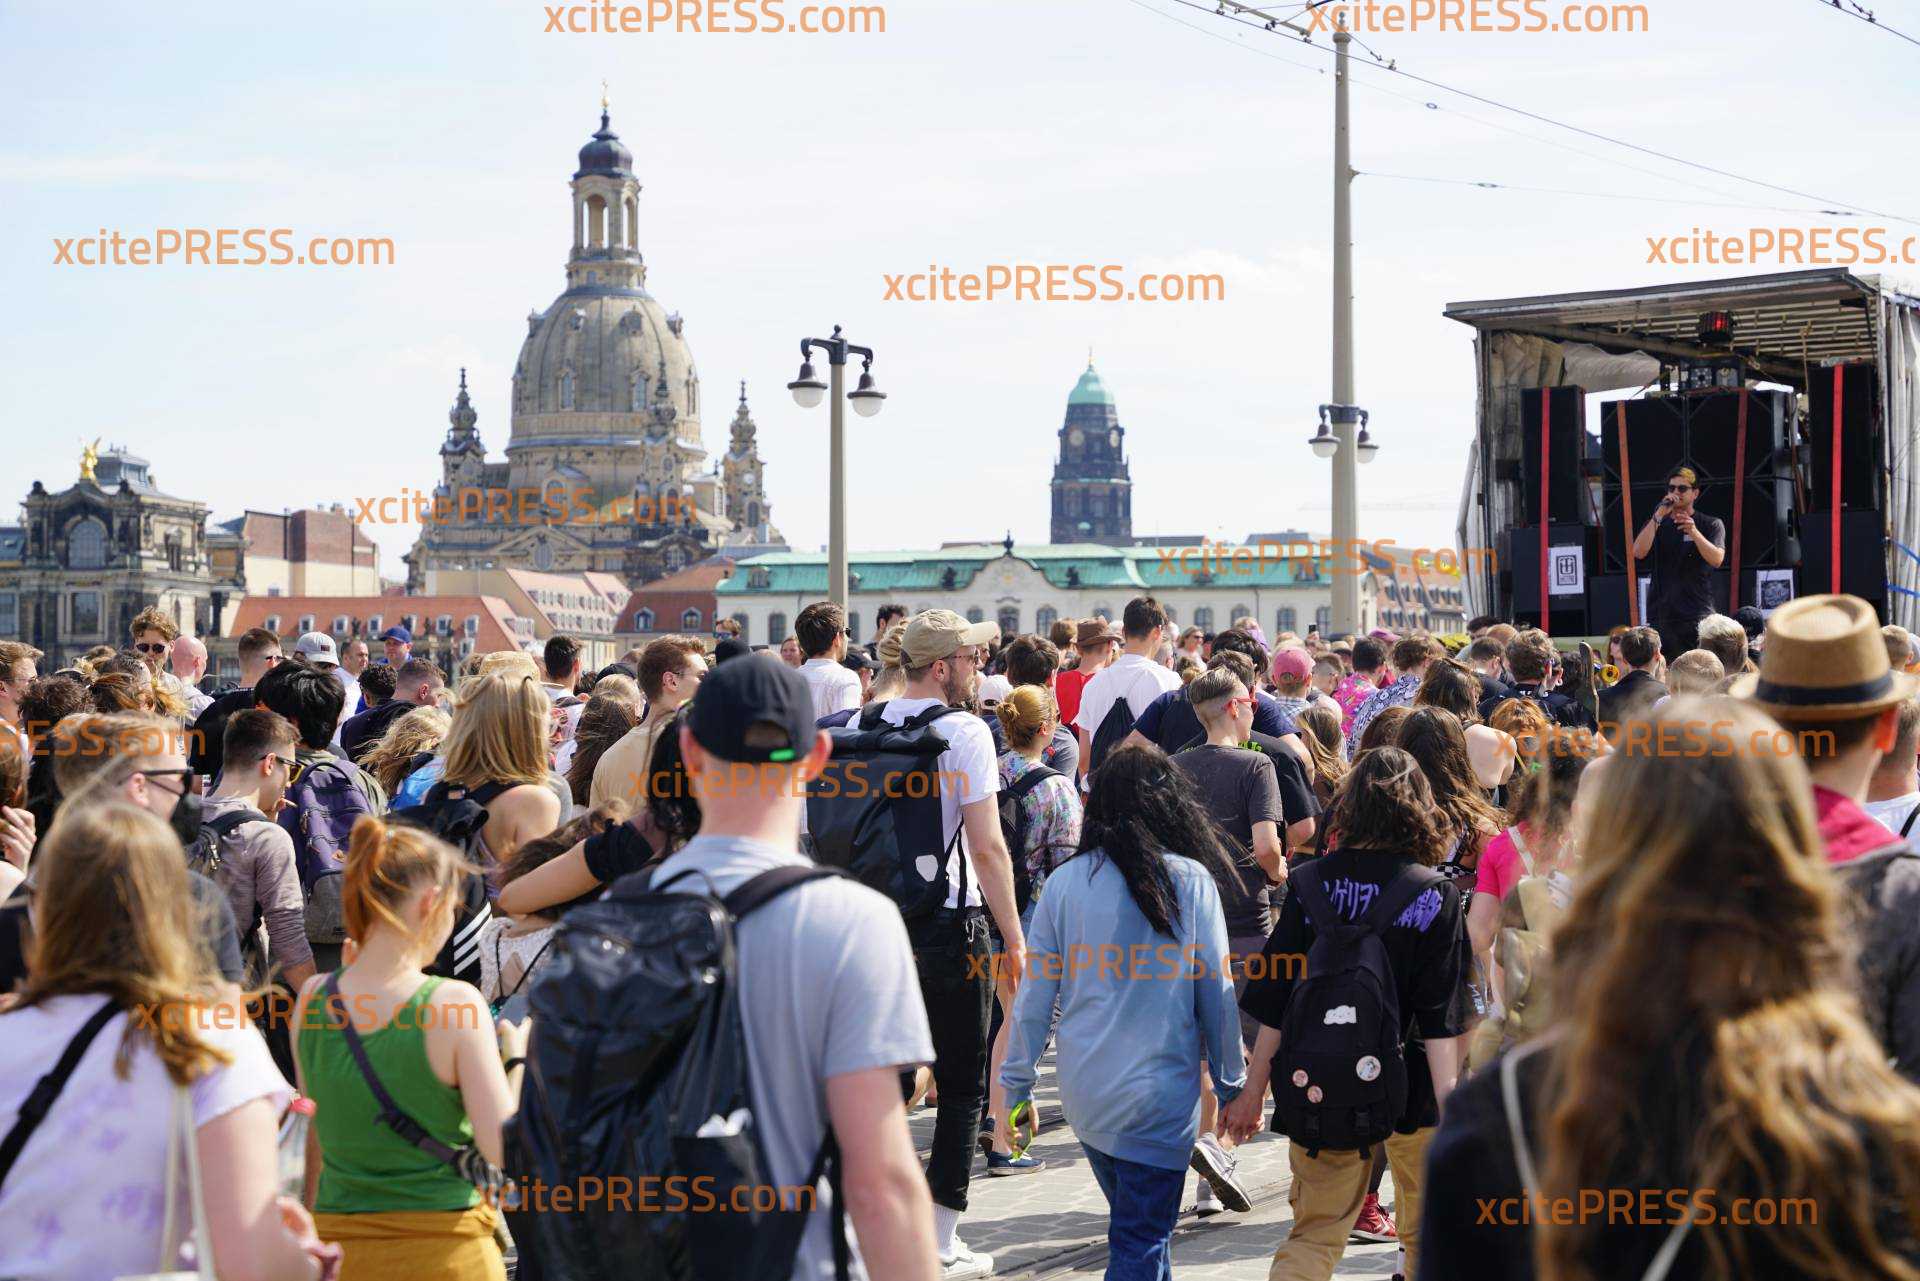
{"x": 1076, "y": 438}
{"x": 1113, "y": 438}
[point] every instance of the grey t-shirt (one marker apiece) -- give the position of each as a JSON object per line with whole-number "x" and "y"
{"x": 258, "y": 875}
{"x": 827, "y": 987}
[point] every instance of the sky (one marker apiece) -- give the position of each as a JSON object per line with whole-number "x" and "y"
{"x": 785, "y": 176}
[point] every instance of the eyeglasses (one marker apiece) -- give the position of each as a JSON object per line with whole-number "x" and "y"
{"x": 183, "y": 774}
{"x": 1235, "y": 702}
{"x": 146, "y": 647}
{"x": 294, "y": 768}
{"x": 271, "y": 659}
{"x": 1678, "y": 489}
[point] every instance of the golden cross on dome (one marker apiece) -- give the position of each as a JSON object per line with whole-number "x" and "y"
{"x": 604, "y": 104}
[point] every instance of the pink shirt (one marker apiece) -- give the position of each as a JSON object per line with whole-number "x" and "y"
{"x": 1501, "y": 866}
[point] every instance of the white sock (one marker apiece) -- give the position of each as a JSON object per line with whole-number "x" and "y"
{"x": 946, "y": 1223}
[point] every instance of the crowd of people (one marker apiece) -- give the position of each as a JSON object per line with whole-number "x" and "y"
{"x": 1611, "y": 962}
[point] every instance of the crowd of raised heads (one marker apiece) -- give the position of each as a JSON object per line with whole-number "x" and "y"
{"x": 1546, "y": 958}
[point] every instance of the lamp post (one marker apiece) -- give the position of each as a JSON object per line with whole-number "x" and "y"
{"x": 807, "y": 392}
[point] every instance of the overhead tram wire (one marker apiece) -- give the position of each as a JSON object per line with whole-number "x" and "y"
{"x": 1852, "y": 10}
{"x": 1600, "y": 195}
{"x": 1272, "y": 27}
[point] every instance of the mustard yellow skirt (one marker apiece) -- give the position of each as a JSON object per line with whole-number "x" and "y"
{"x": 417, "y": 1245}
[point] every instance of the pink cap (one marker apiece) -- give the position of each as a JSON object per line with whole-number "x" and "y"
{"x": 1293, "y": 662}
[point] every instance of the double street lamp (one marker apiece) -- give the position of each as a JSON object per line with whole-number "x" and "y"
{"x": 808, "y": 391}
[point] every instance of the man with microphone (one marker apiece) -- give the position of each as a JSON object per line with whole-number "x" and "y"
{"x": 1683, "y": 547}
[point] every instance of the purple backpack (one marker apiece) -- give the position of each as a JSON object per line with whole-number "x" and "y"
{"x": 323, "y": 805}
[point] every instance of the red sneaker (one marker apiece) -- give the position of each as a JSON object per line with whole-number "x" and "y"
{"x": 1373, "y": 1225}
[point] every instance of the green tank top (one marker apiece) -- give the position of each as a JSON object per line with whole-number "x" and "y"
{"x": 368, "y": 1168}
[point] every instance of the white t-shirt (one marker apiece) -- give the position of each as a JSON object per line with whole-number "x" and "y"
{"x": 1892, "y": 814}
{"x": 87, "y": 1198}
{"x": 969, "y": 770}
{"x": 834, "y": 687}
{"x": 1136, "y": 679}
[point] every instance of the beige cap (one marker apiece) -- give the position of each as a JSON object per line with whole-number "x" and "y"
{"x": 1824, "y": 660}
{"x": 935, "y": 634}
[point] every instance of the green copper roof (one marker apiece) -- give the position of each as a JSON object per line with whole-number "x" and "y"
{"x": 1063, "y": 565}
{"x": 1090, "y": 390}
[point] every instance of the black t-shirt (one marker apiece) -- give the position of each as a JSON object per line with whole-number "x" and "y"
{"x": 615, "y": 852}
{"x": 1239, "y": 788}
{"x": 1560, "y": 709}
{"x": 1680, "y": 587}
{"x": 1062, "y": 753}
{"x": 212, "y": 913}
{"x": 206, "y": 741}
{"x": 1427, "y": 949}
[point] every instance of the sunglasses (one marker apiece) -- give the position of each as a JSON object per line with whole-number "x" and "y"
{"x": 183, "y": 774}
{"x": 1678, "y": 489}
{"x": 294, "y": 769}
{"x": 148, "y": 648}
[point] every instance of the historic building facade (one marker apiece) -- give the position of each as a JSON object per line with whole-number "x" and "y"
{"x": 605, "y": 427}
{"x": 1092, "y": 487}
{"x": 93, "y": 555}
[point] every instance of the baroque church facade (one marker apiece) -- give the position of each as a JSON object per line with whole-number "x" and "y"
{"x": 605, "y": 426}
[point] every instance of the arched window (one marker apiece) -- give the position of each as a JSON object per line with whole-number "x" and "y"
{"x": 1044, "y": 618}
{"x": 690, "y": 621}
{"x": 1286, "y": 620}
{"x": 637, "y": 391}
{"x": 1203, "y": 617}
{"x": 643, "y": 621}
{"x": 976, "y": 615}
{"x": 87, "y": 545}
{"x": 676, "y": 559}
{"x": 566, "y": 389}
{"x": 1239, "y": 612}
{"x": 543, "y": 555}
{"x": 1010, "y": 620}
{"x": 776, "y": 628}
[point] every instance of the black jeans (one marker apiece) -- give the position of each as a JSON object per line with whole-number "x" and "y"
{"x": 1678, "y": 635}
{"x": 952, "y": 953}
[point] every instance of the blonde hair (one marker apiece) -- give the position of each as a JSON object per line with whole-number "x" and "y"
{"x": 507, "y": 662}
{"x": 499, "y": 731}
{"x": 115, "y": 915}
{"x": 1695, "y": 672}
{"x": 1704, "y": 879}
{"x": 1028, "y": 714}
{"x": 152, "y": 619}
{"x": 99, "y": 750}
{"x": 386, "y": 863}
{"x": 618, "y": 687}
{"x": 421, "y": 730}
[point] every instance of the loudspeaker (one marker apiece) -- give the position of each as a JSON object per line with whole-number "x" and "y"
{"x": 1566, "y": 409}
{"x": 1701, "y": 430}
{"x": 1520, "y": 566}
{"x": 1860, "y": 450}
{"x": 1863, "y": 556}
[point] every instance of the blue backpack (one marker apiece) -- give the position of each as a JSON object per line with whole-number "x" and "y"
{"x": 323, "y": 805}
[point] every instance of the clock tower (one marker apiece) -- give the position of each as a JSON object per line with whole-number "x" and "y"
{"x": 1092, "y": 490}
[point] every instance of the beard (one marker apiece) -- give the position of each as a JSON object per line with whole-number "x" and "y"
{"x": 958, "y": 689}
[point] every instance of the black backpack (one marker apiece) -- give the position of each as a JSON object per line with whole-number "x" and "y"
{"x": 456, "y": 814}
{"x": 874, "y": 811}
{"x": 204, "y": 856}
{"x": 1013, "y": 828}
{"x": 637, "y": 1070}
{"x": 1340, "y": 1078}
{"x": 1110, "y": 733}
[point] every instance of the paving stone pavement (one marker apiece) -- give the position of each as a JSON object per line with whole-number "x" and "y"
{"x": 1054, "y": 1223}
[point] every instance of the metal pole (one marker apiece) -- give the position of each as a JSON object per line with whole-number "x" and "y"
{"x": 1346, "y": 523}
{"x": 837, "y": 487}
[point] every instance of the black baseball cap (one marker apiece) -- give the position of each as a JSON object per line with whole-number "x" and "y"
{"x": 754, "y": 689}
{"x": 858, "y": 660}
{"x": 730, "y": 647}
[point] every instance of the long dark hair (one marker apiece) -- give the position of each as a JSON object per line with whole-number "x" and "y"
{"x": 1434, "y": 737}
{"x": 1384, "y": 803}
{"x": 1143, "y": 806}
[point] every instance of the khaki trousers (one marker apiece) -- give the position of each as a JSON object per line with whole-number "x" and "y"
{"x": 1325, "y": 1198}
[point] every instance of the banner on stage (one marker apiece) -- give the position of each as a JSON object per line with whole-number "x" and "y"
{"x": 1567, "y": 571}
{"x": 1772, "y": 588}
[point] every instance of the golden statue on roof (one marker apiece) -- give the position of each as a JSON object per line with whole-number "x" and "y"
{"x": 89, "y": 458}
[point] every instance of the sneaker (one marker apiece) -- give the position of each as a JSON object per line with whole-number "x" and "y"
{"x": 1216, "y": 1165}
{"x": 1004, "y": 1166}
{"x": 964, "y": 1265}
{"x": 985, "y": 1143}
{"x": 1373, "y": 1225}
{"x": 1205, "y": 1203}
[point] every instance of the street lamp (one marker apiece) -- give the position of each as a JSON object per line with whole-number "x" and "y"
{"x": 867, "y": 399}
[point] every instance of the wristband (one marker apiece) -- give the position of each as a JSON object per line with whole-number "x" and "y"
{"x": 512, "y": 1063}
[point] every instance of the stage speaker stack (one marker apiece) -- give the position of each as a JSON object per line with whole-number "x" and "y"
{"x": 1553, "y": 451}
{"x": 1846, "y": 493}
{"x": 1746, "y": 479}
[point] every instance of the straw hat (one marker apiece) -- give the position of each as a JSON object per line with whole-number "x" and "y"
{"x": 1824, "y": 660}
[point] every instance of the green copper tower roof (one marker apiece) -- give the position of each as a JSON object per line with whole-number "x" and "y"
{"x": 1090, "y": 390}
